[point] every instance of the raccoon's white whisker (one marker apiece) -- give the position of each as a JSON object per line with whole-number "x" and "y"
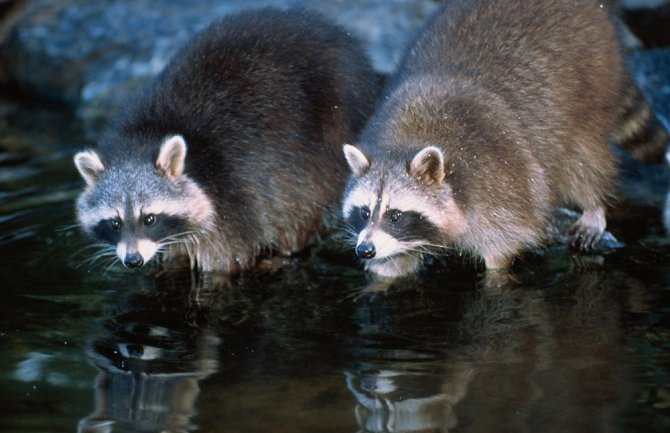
{"x": 106, "y": 250}
{"x": 437, "y": 246}
{"x": 106, "y": 261}
{"x": 68, "y": 227}
{"x": 163, "y": 245}
{"x": 109, "y": 267}
{"x": 97, "y": 257}
{"x": 183, "y": 238}
{"x": 412, "y": 251}
{"x": 174, "y": 242}
{"x": 176, "y": 239}
{"x": 101, "y": 258}
{"x": 175, "y": 236}
{"x": 427, "y": 248}
{"x": 101, "y": 254}
{"x": 335, "y": 214}
{"x": 351, "y": 234}
{"x": 351, "y": 240}
{"x": 345, "y": 224}
{"x": 395, "y": 264}
{"x": 96, "y": 245}
{"x": 424, "y": 244}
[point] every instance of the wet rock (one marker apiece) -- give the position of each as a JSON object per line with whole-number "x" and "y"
{"x": 649, "y": 185}
{"x": 651, "y": 71}
{"x": 92, "y": 55}
{"x": 648, "y": 20}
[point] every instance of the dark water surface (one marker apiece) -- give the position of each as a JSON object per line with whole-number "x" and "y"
{"x": 578, "y": 345}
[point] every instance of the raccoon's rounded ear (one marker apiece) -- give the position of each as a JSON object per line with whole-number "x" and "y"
{"x": 172, "y": 156}
{"x": 358, "y": 163}
{"x": 427, "y": 166}
{"x": 89, "y": 165}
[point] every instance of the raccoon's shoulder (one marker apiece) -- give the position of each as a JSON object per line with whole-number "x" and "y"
{"x": 490, "y": 38}
{"x": 267, "y": 40}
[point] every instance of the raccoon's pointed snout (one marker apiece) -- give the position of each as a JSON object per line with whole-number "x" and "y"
{"x": 133, "y": 260}
{"x": 366, "y": 250}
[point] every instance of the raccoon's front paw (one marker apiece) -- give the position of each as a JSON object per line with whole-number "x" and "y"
{"x": 588, "y": 230}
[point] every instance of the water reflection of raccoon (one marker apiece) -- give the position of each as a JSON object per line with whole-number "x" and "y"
{"x": 551, "y": 360}
{"x": 151, "y": 357}
{"x": 233, "y": 150}
{"x": 498, "y": 113}
{"x": 518, "y": 360}
{"x": 399, "y": 397}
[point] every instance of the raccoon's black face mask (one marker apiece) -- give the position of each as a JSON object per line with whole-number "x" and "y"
{"x": 138, "y": 240}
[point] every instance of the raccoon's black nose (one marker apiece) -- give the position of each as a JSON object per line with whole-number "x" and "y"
{"x": 133, "y": 260}
{"x": 365, "y": 250}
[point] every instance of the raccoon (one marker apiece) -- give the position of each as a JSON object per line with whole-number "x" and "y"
{"x": 499, "y": 112}
{"x": 233, "y": 150}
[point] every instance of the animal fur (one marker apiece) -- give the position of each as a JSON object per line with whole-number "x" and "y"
{"x": 499, "y": 112}
{"x": 233, "y": 150}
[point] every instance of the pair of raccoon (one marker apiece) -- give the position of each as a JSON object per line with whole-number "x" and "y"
{"x": 498, "y": 113}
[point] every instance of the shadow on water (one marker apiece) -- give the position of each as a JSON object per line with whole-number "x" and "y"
{"x": 576, "y": 344}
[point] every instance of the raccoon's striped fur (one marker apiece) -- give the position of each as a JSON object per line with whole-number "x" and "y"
{"x": 234, "y": 149}
{"x": 639, "y": 131}
{"x": 500, "y": 111}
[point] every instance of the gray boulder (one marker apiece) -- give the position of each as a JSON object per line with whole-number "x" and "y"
{"x": 651, "y": 71}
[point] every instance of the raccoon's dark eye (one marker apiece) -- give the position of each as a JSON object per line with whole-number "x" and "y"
{"x": 394, "y": 215}
{"x": 365, "y": 212}
{"x": 149, "y": 219}
{"x": 115, "y": 223}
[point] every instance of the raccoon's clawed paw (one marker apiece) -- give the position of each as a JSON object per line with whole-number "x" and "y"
{"x": 584, "y": 239}
{"x": 588, "y": 230}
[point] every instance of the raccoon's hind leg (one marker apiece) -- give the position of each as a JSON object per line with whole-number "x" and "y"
{"x": 587, "y": 180}
{"x": 589, "y": 187}
{"x": 588, "y": 229}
